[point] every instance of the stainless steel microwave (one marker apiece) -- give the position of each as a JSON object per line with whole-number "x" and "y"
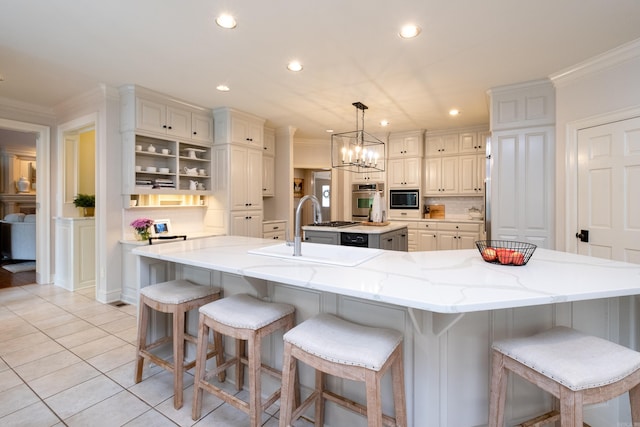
{"x": 404, "y": 199}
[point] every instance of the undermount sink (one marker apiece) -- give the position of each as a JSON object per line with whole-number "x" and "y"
{"x": 347, "y": 256}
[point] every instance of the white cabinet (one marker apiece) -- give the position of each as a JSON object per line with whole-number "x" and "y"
{"x": 202, "y": 127}
{"x": 405, "y": 172}
{"x": 427, "y": 236}
{"x": 441, "y": 176}
{"x": 276, "y": 230}
{"x": 246, "y": 223}
{"x": 472, "y": 142}
{"x": 438, "y": 145}
{"x": 457, "y": 236}
{"x": 268, "y": 176}
{"x": 407, "y": 144}
{"x": 269, "y": 163}
{"x": 245, "y": 183}
{"x": 233, "y": 126}
{"x": 472, "y": 169}
{"x": 75, "y": 253}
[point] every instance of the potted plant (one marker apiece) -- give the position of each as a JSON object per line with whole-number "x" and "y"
{"x": 87, "y": 202}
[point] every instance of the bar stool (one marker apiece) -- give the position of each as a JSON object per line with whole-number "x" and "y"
{"x": 176, "y": 297}
{"x": 336, "y": 347}
{"x": 243, "y": 318}
{"x": 575, "y": 368}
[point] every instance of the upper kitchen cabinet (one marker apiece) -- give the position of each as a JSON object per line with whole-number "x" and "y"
{"x": 233, "y": 126}
{"x": 405, "y": 173}
{"x": 441, "y": 176}
{"x": 473, "y": 142}
{"x": 269, "y": 142}
{"x": 439, "y": 145}
{"x": 153, "y": 114}
{"x": 269, "y": 163}
{"x": 406, "y": 144}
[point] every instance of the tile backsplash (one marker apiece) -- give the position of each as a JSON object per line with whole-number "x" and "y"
{"x": 456, "y": 206}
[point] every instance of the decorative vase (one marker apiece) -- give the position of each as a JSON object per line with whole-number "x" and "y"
{"x": 23, "y": 185}
{"x": 88, "y": 211}
{"x": 142, "y": 235}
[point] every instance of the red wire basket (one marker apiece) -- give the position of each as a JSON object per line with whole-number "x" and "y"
{"x": 505, "y": 252}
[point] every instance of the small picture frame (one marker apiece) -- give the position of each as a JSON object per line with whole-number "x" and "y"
{"x": 161, "y": 227}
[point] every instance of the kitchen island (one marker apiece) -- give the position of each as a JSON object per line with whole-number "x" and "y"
{"x": 388, "y": 235}
{"x": 450, "y": 306}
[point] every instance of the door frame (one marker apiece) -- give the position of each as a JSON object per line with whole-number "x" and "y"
{"x": 571, "y": 162}
{"x": 43, "y": 194}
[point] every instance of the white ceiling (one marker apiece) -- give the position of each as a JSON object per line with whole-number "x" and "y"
{"x": 51, "y": 51}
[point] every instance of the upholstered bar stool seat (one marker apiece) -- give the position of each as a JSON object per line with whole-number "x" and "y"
{"x": 246, "y": 319}
{"x": 347, "y": 350}
{"x": 176, "y": 297}
{"x": 575, "y": 368}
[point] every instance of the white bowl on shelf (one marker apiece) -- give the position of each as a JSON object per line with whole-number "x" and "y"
{"x": 163, "y": 170}
{"x": 151, "y": 169}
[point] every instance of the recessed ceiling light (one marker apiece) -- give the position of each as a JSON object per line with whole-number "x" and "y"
{"x": 409, "y": 31}
{"x": 294, "y": 66}
{"x": 454, "y": 112}
{"x": 222, "y": 88}
{"x": 384, "y": 122}
{"x": 329, "y": 130}
{"x": 226, "y": 21}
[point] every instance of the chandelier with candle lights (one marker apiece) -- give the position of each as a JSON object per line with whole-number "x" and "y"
{"x": 357, "y": 151}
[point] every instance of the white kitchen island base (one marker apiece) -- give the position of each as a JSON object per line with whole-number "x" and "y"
{"x": 447, "y": 353}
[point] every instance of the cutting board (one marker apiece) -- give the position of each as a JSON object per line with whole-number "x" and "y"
{"x": 436, "y": 211}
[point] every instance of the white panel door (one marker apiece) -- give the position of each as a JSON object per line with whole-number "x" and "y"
{"x": 609, "y": 190}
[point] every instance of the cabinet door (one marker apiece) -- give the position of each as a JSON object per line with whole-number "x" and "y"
{"x": 433, "y": 145}
{"x": 269, "y": 142}
{"x": 467, "y": 240}
{"x": 178, "y": 122}
{"x": 387, "y": 241}
{"x": 427, "y": 240}
{"x": 254, "y": 224}
{"x": 396, "y": 173}
{"x": 253, "y": 178}
{"x": 449, "y": 179}
{"x": 202, "y": 127}
{"x": 432, "y": 172}
{"x": 324, "y": 237}
{"x": 396, "y": 147}
{"x": 268, "y": 175}
{"x": 246, "y": 223}
{"x": 450, "y": 144}
{"x": 412, "y": 172}
{"x": 151, "y": 116}
{"x": 413, "y": 146}
{"x": 256, "y": 134}
{"x": 447, "y": 240}
{"x": 468, "y": 174}
{"x": 238, "y": 161}
{"x": 468, "y": 142}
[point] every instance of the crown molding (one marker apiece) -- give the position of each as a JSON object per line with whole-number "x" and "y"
{"x": 609, "y": 59}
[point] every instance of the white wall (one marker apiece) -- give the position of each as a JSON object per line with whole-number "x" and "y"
{"x": 604, "y": 84}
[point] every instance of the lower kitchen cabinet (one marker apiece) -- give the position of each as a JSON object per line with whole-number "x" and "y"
{"x": 397, "y": 240}
{"x": 457, "y": 236}
{"x": 325, "y": 237}
{"x": 276, "y": 230}
{"x": 427, "y": 238}
{"x": 75, "y": 253}
{"x": 246, "y": 223}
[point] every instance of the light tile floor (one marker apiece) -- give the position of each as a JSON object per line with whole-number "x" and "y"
{"x": 66, "y": 359}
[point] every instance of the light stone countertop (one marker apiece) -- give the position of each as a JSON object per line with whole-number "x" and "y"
{"x": 364, "y": 229}
{"x": 437, "y": 281}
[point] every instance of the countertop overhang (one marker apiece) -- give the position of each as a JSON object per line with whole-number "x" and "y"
{"x": 364, "y": 229}
{"x": 438, "y": 281}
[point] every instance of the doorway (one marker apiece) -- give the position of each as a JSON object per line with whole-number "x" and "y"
{"x": 43, "y": 194}
{"x": 321, "y": 182}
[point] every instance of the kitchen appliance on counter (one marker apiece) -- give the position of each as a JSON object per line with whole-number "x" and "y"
{"x": 362, "y": 199}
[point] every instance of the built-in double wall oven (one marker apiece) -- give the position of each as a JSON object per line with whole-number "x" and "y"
{"x": 362, "y": 199}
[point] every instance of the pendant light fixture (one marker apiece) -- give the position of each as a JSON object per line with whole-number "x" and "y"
{"x": 357, "y": 151}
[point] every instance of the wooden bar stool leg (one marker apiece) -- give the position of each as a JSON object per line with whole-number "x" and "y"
{"x": 217, "y": 344}
{"x": 374, "y": 400}
{"x": 201, "y": 360}
{"x": 240, "y": 353}
{"x": 498, "y": 395}
{"x": 321, "y": 384}
{"x": 255, "y": 380}
{"x": 634, "y": 400}
{"x": 570, "y": 408}
{"x": 397, "y": 379}
{"x": 178, "y": 354}
{"x": 287, "y": 404}
{"x": 143, "y": 323}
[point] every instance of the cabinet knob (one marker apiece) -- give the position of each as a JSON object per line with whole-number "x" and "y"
{"x": 164, "y": 126}
{"x": 195, "y": 133}
{"x": 170, "y": 127}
